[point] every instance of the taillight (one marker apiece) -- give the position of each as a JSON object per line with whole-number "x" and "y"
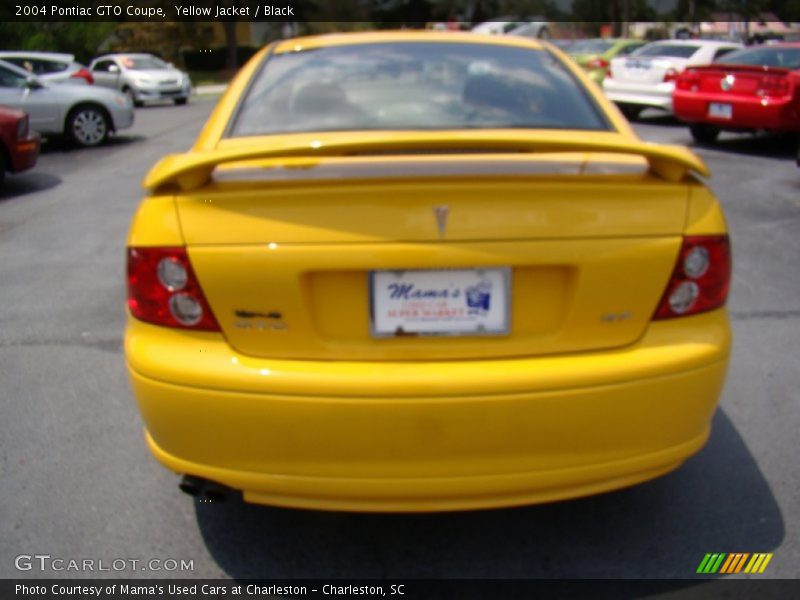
{"x": 23, "y": 128}
{"x": 83, "y": 74}
{"x": 773, "y": 85}
{"x": 700, "y": 280}
{"x": 671, "y": 75}
{"x": 688, "y": 81}
{"x": 597, "y": 63}
{"x": 163, "y": 289}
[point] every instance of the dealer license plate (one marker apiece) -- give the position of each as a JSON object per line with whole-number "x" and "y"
{"x": 440, "y": 302}
{"x": 720, "y": 111}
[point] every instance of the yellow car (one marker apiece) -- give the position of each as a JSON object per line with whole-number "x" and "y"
{"x": 422, "y": 271}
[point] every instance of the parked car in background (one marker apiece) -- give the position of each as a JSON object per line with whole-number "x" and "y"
{"x": 514, "y": 26}
{"x": 498, "y": 26}
{"x": 49, "y": 67}
{"x": 646, "y": 78}
{"x": 473, "y": 288}
{"x": 19, "y": 144}
{"x": 532, "y": 29}
{"x": 747, "y": 90}
{"x": 85, "y": 114}
{"x": 142, "y": 77}
{"x": 595, "y": 55}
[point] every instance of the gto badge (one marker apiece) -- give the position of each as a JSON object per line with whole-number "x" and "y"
{"x": 259, "y": 321}
{"x": 727, "y": 83}
{"x": 441, "y": 213}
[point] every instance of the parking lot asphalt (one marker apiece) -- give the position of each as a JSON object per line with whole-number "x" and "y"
{"x": 78, "y": 482}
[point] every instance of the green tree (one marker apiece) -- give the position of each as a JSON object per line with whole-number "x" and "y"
{"x": 79, "y": 38}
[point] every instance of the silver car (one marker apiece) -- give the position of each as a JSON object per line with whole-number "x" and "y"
{"x": 85, "y": 114}
{"x": 141, "y": 77}
{"x": 50, "y": 67}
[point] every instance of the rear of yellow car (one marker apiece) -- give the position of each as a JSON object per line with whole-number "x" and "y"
{"x": 411, "y": 272}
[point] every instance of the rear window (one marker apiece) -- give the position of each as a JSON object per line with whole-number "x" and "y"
{"x": 37, "y": 66}
{"x": 591, "y": 47}
{"x": 668, "y": 50}
{"x": 400, "y": 86}
{"x": 143, "y": 63}
{"x": 787, "y": 58}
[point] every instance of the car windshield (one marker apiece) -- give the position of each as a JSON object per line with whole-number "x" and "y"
{"x": 432, "y": 86}
{"x": 143, "y": 63}
{"x": 668, "y": 50}
{"x": 787, "y": 58}
{"x": 591, "y": 47}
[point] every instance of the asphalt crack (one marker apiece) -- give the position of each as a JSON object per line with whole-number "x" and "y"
{"x": 765, "y": 314}
{"x": 108, "y": 345}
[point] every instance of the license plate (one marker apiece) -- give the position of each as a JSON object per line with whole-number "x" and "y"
{"x": 720, "y": 111}
{"x": 440, "y": 302}
{"x": 633, "y": 63}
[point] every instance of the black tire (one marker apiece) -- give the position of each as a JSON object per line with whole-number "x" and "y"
{"x": 631, "y": 111}
{"x": 180, "y": 101}
{"x": 87, "y": 125}
{"x": 704, "y": 134}
{"x": 798, "y": 150}
{"x": 3, "y": 165}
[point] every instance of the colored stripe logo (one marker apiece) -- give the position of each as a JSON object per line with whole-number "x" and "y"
{"x": 737, "y": 562}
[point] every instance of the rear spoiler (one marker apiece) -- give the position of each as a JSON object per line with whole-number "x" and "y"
{"x": 193, "y": 169}
{"x": 764, "y": 70}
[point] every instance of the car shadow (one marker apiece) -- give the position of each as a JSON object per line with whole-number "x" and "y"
{"x": 767, "y": 145}
{"x": 30, "y": 182}
{"x": 63, "y": 146}
{"x": 658, "y": 117}
{"x": 718, "y": 501}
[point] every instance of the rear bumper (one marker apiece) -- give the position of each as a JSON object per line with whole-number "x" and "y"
{"x": 748, "y": 113}
{"x": 596, "y": 75}
{"x": 159, "y": 93}
{"x": 122, "y": 116}
{"x": 456, "y": 435}
{"x": 653, "y": 95}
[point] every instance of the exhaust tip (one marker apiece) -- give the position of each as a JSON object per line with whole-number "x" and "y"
{"x": 203, "y": 489}
{"x": 191, "y": 485}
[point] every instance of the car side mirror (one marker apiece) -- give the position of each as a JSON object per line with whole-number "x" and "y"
{"x": 113, "y": 69}
{"x": 33, "y": 83}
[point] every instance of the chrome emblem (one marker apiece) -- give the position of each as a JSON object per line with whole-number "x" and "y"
{"x": 727, "y": 82}
{"x": 441, "y": 213}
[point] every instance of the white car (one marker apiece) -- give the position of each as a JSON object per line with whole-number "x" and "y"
{"x": 85, "y": 114}
{"x": 141, "y": 77}
{"x": 532, "y": 29}
{"x": 646, "y": 78}
{"x": 49, "y": 67}
{"x": 512, "y": 26}
{"x": 498, "y": 26}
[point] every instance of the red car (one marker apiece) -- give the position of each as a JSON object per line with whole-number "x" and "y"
{"x": 19, "y": 146}
{"x": 747, "y": 90}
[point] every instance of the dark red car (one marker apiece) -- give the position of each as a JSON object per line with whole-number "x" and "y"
{"x": 748, "y": 90}
{"x": 19, "y": 146}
